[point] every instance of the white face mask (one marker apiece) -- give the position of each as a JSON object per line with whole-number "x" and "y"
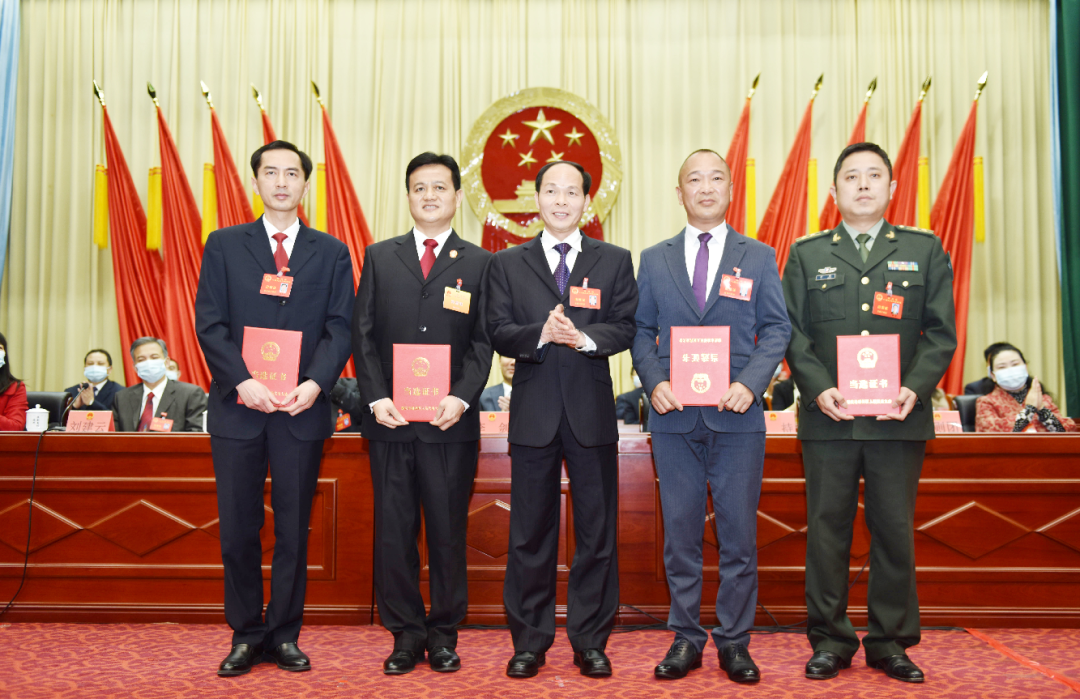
{"x": 151, "y": 370}
{"x": 173, "y": 375}
{"x": 637, "y": 380}
{"x": 1012, "y": 378}
{"x": 3, "y": 357}
{"x": 95, "y": 373}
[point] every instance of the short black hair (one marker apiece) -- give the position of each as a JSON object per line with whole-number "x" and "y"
{"x": 858, "y": 148}
{"x": 146, "y": 341}
{"x": 586, "y": 178}
{"x": 994, "y": 349}
{"x": 430, "y": 158}
{"x": 1003, "y": 347}
{"x": 305, "y": 161}
{"x": 98, "y": 351}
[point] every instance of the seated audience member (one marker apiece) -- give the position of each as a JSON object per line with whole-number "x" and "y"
{"x": 497, "y": 398}
{"x": 1017, "y": 403}
{"x": 986, "y": 384}
{"x": 345, "y": 401}
{"x": 627, "y": 404}
{"x": 172, "y": 369}
{"x": 135, "y": 407}
{"x": 98, "y": 391}
{"x": 12, "y": 395}
{"x": 939, "y": 400}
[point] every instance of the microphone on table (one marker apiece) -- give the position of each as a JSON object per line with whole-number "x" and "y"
{"x": 78, "y": 389}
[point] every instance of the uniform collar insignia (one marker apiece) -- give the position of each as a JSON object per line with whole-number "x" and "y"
{"x": 826, "y": 270}
{"x": 836, "y": 237}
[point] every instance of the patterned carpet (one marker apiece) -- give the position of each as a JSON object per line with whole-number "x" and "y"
{"x": 168, "y": 660}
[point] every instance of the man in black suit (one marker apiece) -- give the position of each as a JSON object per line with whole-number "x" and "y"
{"x": 561, "y": 335}
{"x": 97, "y": 392}
{"x": 286, "y": 432}
{"x": 497, "y": 398}
{"x": 405, "y": 297}
{"x": 135, "y": 407}
{"x": 627, "y": 405}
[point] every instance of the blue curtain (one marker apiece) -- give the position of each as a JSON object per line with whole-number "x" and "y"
{"x": 9, "y": 78}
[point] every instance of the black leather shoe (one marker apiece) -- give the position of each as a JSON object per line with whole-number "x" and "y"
{"x": 443, "y": 659}
{"x": 288, "y": 657}
{"x": 240, "y": 660}
{"x": 735, "y": 660}
{"x": 825, "y": 665}
{"x": 525, "y": 664}
{"x": 899, "y": 667}
{"x": 681, "y": 658}
{"x": 593, "y": 663}
{"x": 401, "y": 661}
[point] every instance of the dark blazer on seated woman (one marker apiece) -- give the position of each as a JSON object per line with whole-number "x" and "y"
{"x": 1006, "y": 411}
{"x": 13, "y": 408}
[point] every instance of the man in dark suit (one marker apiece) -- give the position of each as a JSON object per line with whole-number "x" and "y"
{"x": 286, "y": 432}
{"x": 405, "y": 298}
{"x": 540, "y": 313}
{"x": 497, "y": 398}
{"x": 627, "y": 404}
{"x": 135, "y": 407}
{"x": 985, "y": 385}
{"x": 98, "y": 390}
{"x": 829, "y": 284}
{"x": 679, "y": 281}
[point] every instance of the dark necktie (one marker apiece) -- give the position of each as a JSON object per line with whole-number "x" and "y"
{"x": 428, "y": 259}
{"x": 281, "y": 258}
{"x": 562, "y": 272}
{"x": 701, "y": 271}
{"x": 863, "y": 250}
{"x": 148, "y": 411}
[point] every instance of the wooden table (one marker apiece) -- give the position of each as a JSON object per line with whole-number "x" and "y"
{"x": 125, "y": 530}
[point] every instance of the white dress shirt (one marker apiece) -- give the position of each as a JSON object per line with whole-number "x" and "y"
{"x": 507, "y": 388}
{"x": 157, "y": 398}
{"x": 548, "y": 241}
{"x": 874, "y": 230}
{"x": 440, "y": 240}
{"x": 290, "y": 235}
{"x": 716, "y": 252}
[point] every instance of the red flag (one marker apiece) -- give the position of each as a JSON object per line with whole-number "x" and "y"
{"x": 181, "y": 244}
{"x": 736, "y": 160}
{"x": 903, "y": 209}
{"x": 140, "y": 306}
{"x": 785, "y": 219}
{"x": 345, "y": 218}
{"x": 268, "y": 137}
{"x": 830, "y": 215}
{"x": 953, "y": 219}
{"x": 233, "y": 207}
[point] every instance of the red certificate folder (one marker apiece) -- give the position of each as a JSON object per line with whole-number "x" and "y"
{"x": 273, "y": 358}
{"x": 868, "y": 372}
{"x": 700, "y": 363}
{"x": 421, "y": 380}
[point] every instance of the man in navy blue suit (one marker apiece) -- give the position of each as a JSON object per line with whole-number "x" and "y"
{"x": 722, "y": 447}
{"x": 287, "y": 434}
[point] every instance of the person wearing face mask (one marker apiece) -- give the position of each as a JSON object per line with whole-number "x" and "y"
{"x": 135, "y": 407}
{"x": 626, "y": 404}
{"x": 1017, "y": 403}
{"x": 172, "y": 369}
{"x": 99, "y": 390}
{"x": 980, "y": 387}
{"x": 12, "y": 395}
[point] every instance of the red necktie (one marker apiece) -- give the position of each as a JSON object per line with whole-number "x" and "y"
{"x": 428, "y": 260}
{"x": 148, "y": 411}
{"x": 281, "y": 258}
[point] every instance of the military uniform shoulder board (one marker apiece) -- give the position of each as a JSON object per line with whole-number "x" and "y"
{"x": 808, "y": 236}
{"x": 913, "y": 229}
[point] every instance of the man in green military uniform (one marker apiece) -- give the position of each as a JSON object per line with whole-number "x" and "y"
{"x": 829, "y": 285}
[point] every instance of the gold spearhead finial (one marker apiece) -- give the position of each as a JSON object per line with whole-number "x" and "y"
{"x": 99, "y": 94}
{"x": 925, "y": 88}
{"x": 153, "y": 93}
{"x": 258, "y": 98}
{"x": 753, "y": 88}
{"x": 870, "y": 90}
{"x": 817, "y": 87}
{"x": 318, "y": 97}
{"x": 206, "y": 94}
{"x": 981, "y": 85}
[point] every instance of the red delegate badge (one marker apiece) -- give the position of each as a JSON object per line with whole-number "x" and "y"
{"x": 736, "y": 287}
{"x": 888, "y": 305}
{"x": 161, "y": 424}
{"x": 584, "y": 297}
{"x": 276, "y": 284}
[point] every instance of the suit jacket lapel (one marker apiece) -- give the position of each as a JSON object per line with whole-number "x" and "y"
{"x": 675, "y": 254}
{"x": 406, "y": 252}
{"x": 303, "y": 249}
{"x": 734, "y": 249}
{"x": 844, "y": 247}
{"x": 883, "y": 247}
{"x": 535, "y": 258}
{"x": 167, "y": 399}
{"x": 445, "y": 260}
{"x": 258, "y": 244}
{"x": 586, "y": 260}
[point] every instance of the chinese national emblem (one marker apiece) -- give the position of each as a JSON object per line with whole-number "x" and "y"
{"x": 867, "y": 358}
{"x": 516, "y": 137}
{"x": 270, "y": 351}
{"x": 420, "y": 366}
{"x": 700, "y": 383}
